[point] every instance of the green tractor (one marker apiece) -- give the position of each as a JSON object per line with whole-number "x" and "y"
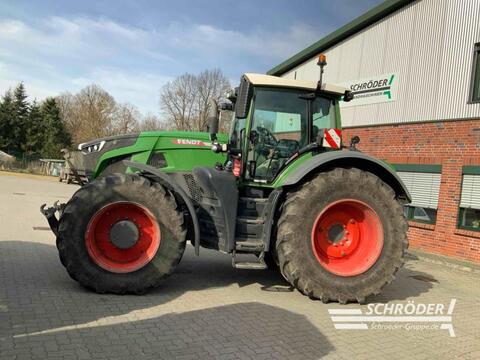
{"x": 281, "y": 187}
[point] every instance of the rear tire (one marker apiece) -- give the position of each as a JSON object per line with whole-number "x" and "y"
{"x": 323, "y": 276}
{"x": 88, "y": 203}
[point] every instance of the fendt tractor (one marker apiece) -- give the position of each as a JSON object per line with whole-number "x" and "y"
{"x": 282, "y": 187}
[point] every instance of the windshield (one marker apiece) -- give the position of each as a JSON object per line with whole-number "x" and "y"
{"x": 280, "y": 127}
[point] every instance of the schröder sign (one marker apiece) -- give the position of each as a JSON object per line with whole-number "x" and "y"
{"x": 372, "y": 90}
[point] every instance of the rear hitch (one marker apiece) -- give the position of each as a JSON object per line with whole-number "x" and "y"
{"x": 50, "y": 212}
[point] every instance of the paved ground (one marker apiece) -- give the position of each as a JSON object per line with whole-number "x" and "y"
{"x": 205, "y": 310}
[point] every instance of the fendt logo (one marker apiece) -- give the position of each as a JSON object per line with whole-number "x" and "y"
{"x": 409, "y": 316}
{"x": 190, "y": 142}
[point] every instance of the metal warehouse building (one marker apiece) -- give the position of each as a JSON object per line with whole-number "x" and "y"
{"x": 414, "y": 67}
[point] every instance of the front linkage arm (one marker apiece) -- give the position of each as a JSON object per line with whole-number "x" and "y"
{"x": 49, "y": 213}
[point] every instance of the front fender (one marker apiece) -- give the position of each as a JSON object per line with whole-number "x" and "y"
{"x": 353, "y": 159}
{"x": 188, "y": 202}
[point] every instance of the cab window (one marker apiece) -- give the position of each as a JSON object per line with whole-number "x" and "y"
{"x": 323, "y": 114}
{"x": 279, "y": 129}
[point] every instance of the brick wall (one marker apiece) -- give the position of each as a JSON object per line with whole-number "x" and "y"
{"x": 452, "y": 144}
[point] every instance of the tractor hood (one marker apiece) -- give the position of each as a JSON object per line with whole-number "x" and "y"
{"x": 94, "y": 156}
{"x": 93, "y": 150}
{"x": 105, "y": 144}
{"x": 108, "y": 143}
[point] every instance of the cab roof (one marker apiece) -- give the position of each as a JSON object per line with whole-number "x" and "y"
{"x": 276, "y": 81}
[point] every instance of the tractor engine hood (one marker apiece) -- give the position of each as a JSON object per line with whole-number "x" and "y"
{"x": 102, "y": 145}
{"x": 93, "y": 150}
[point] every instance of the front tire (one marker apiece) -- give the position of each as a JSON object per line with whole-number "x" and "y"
{"x": 121, "y": 234}
{"x": 341, "y": 236}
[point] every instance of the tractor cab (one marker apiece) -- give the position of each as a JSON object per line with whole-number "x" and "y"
{"x": 278, "y": 123}
{"x": 277, "y": 119}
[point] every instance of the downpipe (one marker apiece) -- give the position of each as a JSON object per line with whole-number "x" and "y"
{"x": 50, "y": 214}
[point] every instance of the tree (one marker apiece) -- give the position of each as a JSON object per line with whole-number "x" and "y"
{"x": 210, "y": 84}
{"x": 126, "y": 119}
{"x": 45, "y": 129}
{"x": 152, "y": 123}
{"x": 88, "y": 114}
{"x": 185, "y": 100}
{"x": 7, "y": 142}
{"x": 95, "y": 110}
{"x": 56, "y": 135}
{"x": 178, "y": 101}
{"x": 35, "y": 130}
{"x": 19, "y": 117}
{"x": 66, "y": 104}
{"x": 94, "y": 113}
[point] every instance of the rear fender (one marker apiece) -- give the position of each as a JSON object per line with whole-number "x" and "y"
{"x": 354, "y": 159}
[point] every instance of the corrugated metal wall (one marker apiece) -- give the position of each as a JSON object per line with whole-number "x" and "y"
{"x": 428, "y": 44}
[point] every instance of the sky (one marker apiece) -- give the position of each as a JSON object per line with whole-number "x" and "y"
{"x": 131, "y": 48}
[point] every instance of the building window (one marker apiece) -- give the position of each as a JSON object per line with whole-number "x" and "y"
{"x": 469, "y": 219}
{"x": 469, "y": 214}
{"x": 475, "y": 87}
{"x": 420, "y": 214}
{"x": 423, "y": 183}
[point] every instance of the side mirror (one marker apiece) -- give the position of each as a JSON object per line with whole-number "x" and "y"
{"x": 245, "y": 93}
{"x": 225, "y": 105}
{"x": 348, "y": 96}
{"x": 213, "y": 119}
{"x": 353, "y": 142}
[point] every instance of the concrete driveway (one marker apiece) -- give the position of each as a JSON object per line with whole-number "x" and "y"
{"x": 206, "y": 309}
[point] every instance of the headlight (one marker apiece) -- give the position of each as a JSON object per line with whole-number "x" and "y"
{"x": 95, "y": 147}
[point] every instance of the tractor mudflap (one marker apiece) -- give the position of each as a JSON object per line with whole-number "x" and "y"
{"x": 50, "y": 214}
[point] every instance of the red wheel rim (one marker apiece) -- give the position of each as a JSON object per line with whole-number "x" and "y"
{"x": 347, "y": 237}
{"x": 129, "y": 258}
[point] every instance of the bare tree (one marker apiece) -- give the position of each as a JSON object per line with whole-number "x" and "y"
{"x": 126, "y": 119}
{"x": 94, "y": 113}
{"x": 185, "y": 100}
{"x": 210, "y": 84}
{"x": 177, "y": 100}
{"x": 66, "y": 103}
{"x": 95, "y": 109}
{"x": 152, "y": 123}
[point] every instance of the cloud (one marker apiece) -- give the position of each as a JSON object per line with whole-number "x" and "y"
{"x": 141, "y": 89}
{"x": 138, "y": 88}
{"x": 33, "y": 90}
{"x": 59, "y": 54}
{"x": 259, "y": 42}
{"x": 37, "y": 87}
{"x": 94, "y": 38}
{"x": 78, "y": 37}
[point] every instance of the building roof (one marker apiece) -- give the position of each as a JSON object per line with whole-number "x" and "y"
{"x": 268, "y": 80}
{"x": 370, "y": 17}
